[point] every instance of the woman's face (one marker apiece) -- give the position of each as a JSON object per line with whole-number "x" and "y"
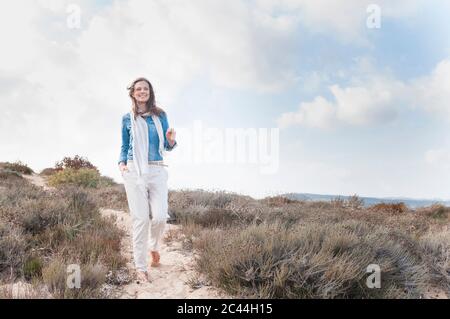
{"x": 141, "y": 92}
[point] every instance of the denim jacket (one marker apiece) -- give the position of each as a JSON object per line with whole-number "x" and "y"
{"x": 126, "y": 151}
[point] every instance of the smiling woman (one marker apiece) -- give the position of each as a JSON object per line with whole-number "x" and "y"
{"x": 144, "y": 172}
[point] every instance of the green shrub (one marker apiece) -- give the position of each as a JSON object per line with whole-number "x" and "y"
{"x": 32, "y": 267}
{"x": 84, "y": 177}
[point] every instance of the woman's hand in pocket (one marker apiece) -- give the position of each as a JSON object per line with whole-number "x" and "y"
{"x": 123, "y": 167}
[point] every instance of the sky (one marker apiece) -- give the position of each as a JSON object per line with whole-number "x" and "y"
{"x": 266, "y": 96}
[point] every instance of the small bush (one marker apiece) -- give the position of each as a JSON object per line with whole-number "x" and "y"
{"x": 277, "y": 201}
{"x": 92, "y": 277}
{"x": 75, "y": 163}
{"x": 397, "y": 208}
{"x": 113, "y": 197}
{"x": 54, "y": 276}
{"x": 32, "y": 267}
{"x": 48, "y": 171}
{"x": 9, "y": 174}
{"x": 437, "y": 246}
{"x": 338, "y": 202}
{"x": 84, "y": 177}
{"x": 439, "y": 211}
{"x": 17, "y": 166}
{"x": 354, "y": 202}
{"x": 13, "y": 245}
{"x": 105, "y": 181}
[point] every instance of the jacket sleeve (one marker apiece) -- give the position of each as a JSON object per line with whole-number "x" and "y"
{"x": 125, "y": 141}
{"x": 165, "y": 125}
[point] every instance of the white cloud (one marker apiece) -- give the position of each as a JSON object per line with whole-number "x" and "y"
{"x": 432, "y": 92}
{"x": 375, "y": 97}
{"x": 370, "y": 99}
{"x": 438, "y": 157}
{"x": 364, "y": 105}
{"x": 345, "y": 19}
{"x": 319, "y": 113}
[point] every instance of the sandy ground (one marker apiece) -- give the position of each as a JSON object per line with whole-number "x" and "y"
{"x": 38, "y": 181}
{"x": 172, "y": 278}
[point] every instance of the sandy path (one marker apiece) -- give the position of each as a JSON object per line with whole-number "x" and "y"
{"x": 38, "y": 181}
{"x": 170, "y": 279}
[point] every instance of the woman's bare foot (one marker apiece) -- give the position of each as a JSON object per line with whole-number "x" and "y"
{"x": 155, "y": 259}
{"x": 142, "y": 277}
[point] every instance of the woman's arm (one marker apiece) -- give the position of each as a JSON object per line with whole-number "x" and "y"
{"x": 125, "y": 141}
{"x": 165, "y": 125}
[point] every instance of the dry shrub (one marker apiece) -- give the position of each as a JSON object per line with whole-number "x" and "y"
{"x": 17, "y": 166}
{"x": 354, "y": 202}
{"x": 338, "y": 202}
{"x": 22, "y": 290}
{"x": 437, "y": 246}
{"x": 186, "y": 198}
{"x": 436, "y": 211}
{"x": 172, "y": 235}
{"x": 39, "y": 230}
{"x": 92, "y": 277}
{"x": 9, "y": 174}
{"x": 113, "y": 197}
{"x": 397, "y": 208}
{"x": 76, "y": 163}
{"x": 13, "y": 245}
{"x": 310, "y": 261}
{"x": 48, "y": 171}
{"x": 303, "y": 249}
{"x": 277, "y": 201}
{"x": 105, "y": 181}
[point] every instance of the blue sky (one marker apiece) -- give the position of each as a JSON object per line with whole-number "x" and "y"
{"x": 358, "y": 110}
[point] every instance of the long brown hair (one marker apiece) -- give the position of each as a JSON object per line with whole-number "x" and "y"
{"x": 150, "y": 105}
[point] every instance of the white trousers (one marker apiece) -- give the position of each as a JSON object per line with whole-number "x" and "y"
{"x": 148, "y": 206}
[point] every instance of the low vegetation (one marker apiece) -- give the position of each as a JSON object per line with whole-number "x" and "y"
{"x": 43, "y": 233}
{"x": 269, "y": 248}
{"x": 17, "y": 167}
{"x": 277, "y": 248}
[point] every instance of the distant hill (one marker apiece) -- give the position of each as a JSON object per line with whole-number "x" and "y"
{"x": 368, "y": 201}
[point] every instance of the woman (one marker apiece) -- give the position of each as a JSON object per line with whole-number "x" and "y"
{"x": 145, "y": 138}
